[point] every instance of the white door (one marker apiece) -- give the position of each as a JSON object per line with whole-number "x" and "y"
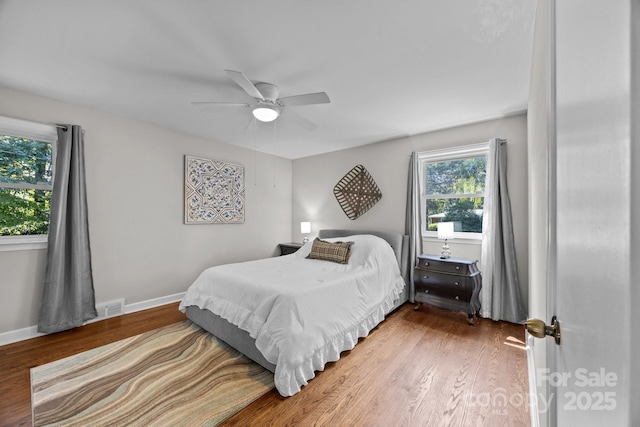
{"x": 591, "y": 210}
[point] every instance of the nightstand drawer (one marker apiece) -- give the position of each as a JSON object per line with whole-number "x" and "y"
{"x": 445, "y": 266}
{"x": 436, "y": 278}
{"x": 457, "y": 293}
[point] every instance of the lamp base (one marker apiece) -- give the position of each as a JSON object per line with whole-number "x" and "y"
{"x": 446, "y": 252}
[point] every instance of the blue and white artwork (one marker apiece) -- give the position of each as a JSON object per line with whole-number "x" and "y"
{"x": 214, "y": 192}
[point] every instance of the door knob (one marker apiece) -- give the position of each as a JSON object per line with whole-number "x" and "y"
{"x": 538, "y": 329}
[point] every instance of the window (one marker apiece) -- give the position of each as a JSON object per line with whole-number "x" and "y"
{"x": 26, "y": 178}
{"x": 453, "y": 189}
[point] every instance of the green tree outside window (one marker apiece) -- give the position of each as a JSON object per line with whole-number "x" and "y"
{"x": 455, "y": 193}
{"x": 25, "y": 185}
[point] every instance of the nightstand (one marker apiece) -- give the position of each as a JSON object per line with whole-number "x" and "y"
{"x": 450, "y": 283}
{"x": 289, "y": 248}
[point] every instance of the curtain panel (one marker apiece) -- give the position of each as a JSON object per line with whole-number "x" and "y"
{"x": 413, "y": 227}
{"x": 68, "y": 296}
{"x": 500, "y": 296}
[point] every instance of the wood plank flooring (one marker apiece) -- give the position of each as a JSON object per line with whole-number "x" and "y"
{"x": 418, "y": 368}
{"x": 18, "y": 358}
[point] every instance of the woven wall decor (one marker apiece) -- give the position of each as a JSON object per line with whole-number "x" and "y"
{"x": 357, "y": 192}
{"x": 213, "y": 192}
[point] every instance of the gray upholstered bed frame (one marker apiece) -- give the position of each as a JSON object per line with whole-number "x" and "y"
{"x": 241, "y": 341}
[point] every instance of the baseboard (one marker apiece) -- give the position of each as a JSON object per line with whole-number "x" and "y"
{"x": 150, "y": 303}
{"x": 10, "y": 337}
{"x": 19, "y": 335}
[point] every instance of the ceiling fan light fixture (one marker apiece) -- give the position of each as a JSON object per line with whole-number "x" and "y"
{"x": 266, "y": 114}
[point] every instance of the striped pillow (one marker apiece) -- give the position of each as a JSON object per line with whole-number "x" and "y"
{"x": 331, "y": 251}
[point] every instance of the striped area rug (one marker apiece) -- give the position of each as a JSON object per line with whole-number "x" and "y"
{"x": 178, "y": 375}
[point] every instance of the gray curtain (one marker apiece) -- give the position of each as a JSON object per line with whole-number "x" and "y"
{"x": 413, "y": 217}
{"x": 68, "y": 297}
{"x": 500, "y": 296}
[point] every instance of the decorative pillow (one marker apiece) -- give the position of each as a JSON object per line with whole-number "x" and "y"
{"x": 330, "y": 251}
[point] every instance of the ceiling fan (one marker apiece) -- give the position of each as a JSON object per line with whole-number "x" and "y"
{"x": 268, "y": 106}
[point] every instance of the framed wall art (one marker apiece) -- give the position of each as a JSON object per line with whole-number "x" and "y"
{"x": 213, "y": 192}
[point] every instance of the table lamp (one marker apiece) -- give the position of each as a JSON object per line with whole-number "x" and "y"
{"x": 445, "y": 232}
{"x": 305, "y": 228}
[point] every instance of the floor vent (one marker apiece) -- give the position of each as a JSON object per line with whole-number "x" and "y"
{"x": 109, "y": 309}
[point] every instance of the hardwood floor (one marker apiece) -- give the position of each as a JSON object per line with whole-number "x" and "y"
{"x": 417, "y": 368}
{"x": 17, "y": 359}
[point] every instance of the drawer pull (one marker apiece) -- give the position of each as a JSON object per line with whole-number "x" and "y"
{"x": 457, "y": 297}
{"x": 426, "y": 263}
{"x": 457, "y": 267}
{"x": 426, "y": 291}
{"x": 425, "y": 277}
{"x": 456, "y": 283}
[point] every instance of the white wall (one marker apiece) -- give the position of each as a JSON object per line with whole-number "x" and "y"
{"x": 634, "y": 291}
{"x": 538, "y": 154}
{"x": 140, "y": 246}
{"x": 314, "y": 178}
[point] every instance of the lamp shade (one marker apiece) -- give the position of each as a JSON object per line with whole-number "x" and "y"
{"x": 266, "y": 114}
{"x": 445, "y": 230}
{"x": 305, "y": 227}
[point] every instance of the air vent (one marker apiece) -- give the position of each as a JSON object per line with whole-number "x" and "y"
{"x": 109, "y": 309}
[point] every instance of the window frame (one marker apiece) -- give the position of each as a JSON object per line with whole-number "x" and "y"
{"x": 443, "y": 155}
{"x": 40, "y": 132}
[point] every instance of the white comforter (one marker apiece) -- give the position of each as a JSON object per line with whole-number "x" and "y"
{"x": 303, "y": 313}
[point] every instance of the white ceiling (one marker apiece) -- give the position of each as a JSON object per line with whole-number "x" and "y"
{"x": 391, "y": 68}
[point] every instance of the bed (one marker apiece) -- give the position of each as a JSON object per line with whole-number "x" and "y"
{"x": 292, "y": 314}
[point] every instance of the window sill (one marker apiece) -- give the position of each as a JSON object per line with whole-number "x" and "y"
{"x": 456, "y": 241}
{"x": 22, "y": 243}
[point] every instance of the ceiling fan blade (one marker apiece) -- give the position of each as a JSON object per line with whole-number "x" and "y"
{"x": 221, "y": 104}
{"x": 306, "y": 99}
{"x": 242, "y": 81}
